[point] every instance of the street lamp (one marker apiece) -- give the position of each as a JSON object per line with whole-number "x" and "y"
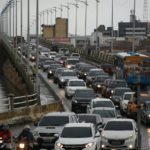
{"x": 76, "y": 5}
{"x": 37, "y": 47}
{"x": 66, "y": 6}
{"x": 112, "y": 30}
{"x": 85, "y": 40}
{"x": 97, "y": 1}
{"x": 133, "y": 42}
{"x": 60, "y": 11}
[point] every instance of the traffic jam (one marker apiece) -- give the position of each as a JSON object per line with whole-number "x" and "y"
{"x": 101, "y": 101}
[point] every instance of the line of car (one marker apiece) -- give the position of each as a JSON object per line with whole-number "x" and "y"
{"x": 97, "y": 124}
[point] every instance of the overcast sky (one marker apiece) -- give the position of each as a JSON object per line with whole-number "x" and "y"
{"x": 121, "y": 12}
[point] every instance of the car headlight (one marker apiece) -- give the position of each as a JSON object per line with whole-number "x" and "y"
{"x": 33, "y": 57}
{"x": 62, "y": 80}
{"x": 148, "y": 115}
{"x": 89, "y": 145}
{"x": 70, "y": 90}
{"x": 35, "y": 133}
{"x": 130, "y": 137}
{"x": 68, "y": 66}
{"x": 98, "y": 86}
{"x": 50, "y": 72}
{"x": 75, "y": 101}
{"x": 85, "y": 74}
{"x": 112, "y": 91}
{"x": 59, "y": 145}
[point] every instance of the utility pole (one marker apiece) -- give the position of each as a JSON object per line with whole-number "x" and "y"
{"x": 139, "y": 110}
{"x": 133, "y": 42}
{"x": 112, "y": 26}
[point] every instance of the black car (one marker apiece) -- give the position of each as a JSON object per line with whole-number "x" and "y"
{"x": 98, "y": 82}
{"x": 51, "y": 70}
{"x": 145, "y": 112}
{"x": 117, "y": 94}
{"x": 81, "y": 99}
{"x": 91, "y": 118}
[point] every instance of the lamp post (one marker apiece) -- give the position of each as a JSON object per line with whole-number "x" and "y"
{"x": 54, "y": 8}
{"x": 133, "y": 42}
{"x": 16, "y": 27}
{"x": 112, "y": 30}
{"x": 66, "y": 6}
{"x": 60, "y": 11}
{"x": 97, "y": 1}
{"x": 21, "y": 29}
{"x": 37, "y": 47}
{"x": 139, "y": 110}
{"x": 85, "y": 40}
{"x": 76, "y": 5}
{"x": 28, "y": 34}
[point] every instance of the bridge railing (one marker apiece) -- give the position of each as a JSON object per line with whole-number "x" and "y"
{"x": 20, "y": 65}
{"x": 19, "y": 102}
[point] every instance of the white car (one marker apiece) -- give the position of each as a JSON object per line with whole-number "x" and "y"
{"x": 106, "y": 113}
{"x": 100, "y": 102}
{"x": 65, "y": 76}
{"x": 128, "y": 96}
{"x": 75, "y": 55}
{"x": 71, "y": 62}
{"x": 119, "y": 134}
{"x": 52, "y": 55}
{"x": 73, "y": 85}
{"x": 78, "y": 136}
{"x": 51, "y": 124}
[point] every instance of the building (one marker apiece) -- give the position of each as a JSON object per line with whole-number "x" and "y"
{"x": 61, "y": 28}
{"x": 48, "y": 31}
{"x": 126, "y": 29}
{"x": 57, "y": 31}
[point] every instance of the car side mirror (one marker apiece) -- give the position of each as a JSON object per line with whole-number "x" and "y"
{"x": 97, "y": 135}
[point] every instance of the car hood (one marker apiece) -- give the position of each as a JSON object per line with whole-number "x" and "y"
{"x": 117, "y": 134}
{"x": 76, "y": 141}
{"x": 69, "y": 77}
{"x": 76, "y": 87}
{"x": 49, "y": 129}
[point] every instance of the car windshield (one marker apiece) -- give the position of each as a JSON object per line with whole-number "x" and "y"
{"x": 105, "y": 113}
{"x": 101, "y": 79}
{"x": 96, "y": 72}
{"x": 119, "y": 125}
{"x": 72, "y": 61}
{"x": 114, "y": 84}
{"x": 76, "y": 132}
{"x": 75, "y": 54}
{"x": 76, "y": 83}
{"x": 48, "y": 62}
{"x": 102, "y": 104}
{"x": 85, "y": 69}
{"x": 128, "y": 96}
{"x": 54, "y": 121}
{"x": 54, "y": 66}
{"x": 68, "y": 73}
{"x": 120, "y": 92}
{"x": 87, "y": 119}
{"x": 84, "y": 93}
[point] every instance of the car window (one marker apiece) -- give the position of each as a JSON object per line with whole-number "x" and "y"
{"x": 76, "y": 132}
{"x": 120, "y": 92}
{"x": 85, "y": 93}
{"x": 76, "y": 83}
{"x": 105, "y": 113}
{"x": 119, "y": 125}
{"x": 102, "y": 104}
{"x": 54, "y": 121}
{"x": 68, "y": 74}
{"x": 87, "y": 119}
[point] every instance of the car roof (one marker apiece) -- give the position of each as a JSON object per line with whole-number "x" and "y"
{"x": 76, "y": 80}
{"x": 82, "y": 124}
{"x": 60, "y": 114}
{"x": 129, "y": 93}
{"x": 121, "y": 88}
{"x": 100, "y": 99}
{"x": 104, "y": 108}
{"x": 120, "y": 119}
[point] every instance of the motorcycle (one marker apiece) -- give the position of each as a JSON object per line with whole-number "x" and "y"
{"x": 3, "y": 144}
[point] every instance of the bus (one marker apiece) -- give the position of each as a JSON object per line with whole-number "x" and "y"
{"x": 130, "y": 65}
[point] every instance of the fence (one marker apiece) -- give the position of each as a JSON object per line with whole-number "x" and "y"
{"x": 13, "y": 103}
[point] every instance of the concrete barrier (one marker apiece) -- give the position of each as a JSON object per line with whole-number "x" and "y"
{"x": 29, "y": 114}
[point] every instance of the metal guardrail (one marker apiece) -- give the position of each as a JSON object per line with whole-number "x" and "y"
{"x": 19, "y": 102}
